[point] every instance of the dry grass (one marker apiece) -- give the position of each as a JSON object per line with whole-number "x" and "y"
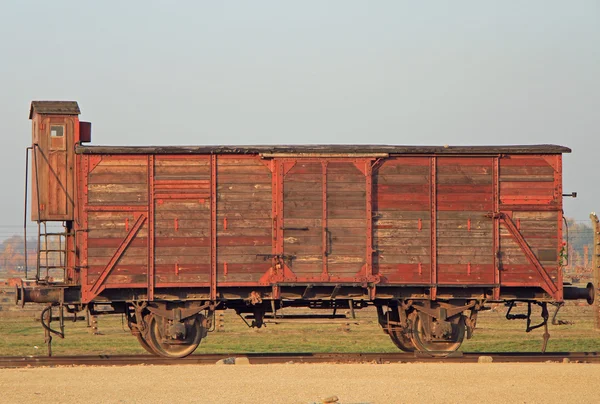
{"x": 21, "y": 336}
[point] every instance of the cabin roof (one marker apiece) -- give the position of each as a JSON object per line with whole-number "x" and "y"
{"x": 54, "y": 108}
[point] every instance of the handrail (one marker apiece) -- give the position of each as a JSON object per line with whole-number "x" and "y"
{"x": 25, "y": 205}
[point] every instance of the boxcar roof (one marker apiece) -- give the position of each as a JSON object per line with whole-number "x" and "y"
{"x": 324, "y": 149}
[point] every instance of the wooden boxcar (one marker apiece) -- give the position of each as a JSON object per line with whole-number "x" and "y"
{"x": 166, "y": 235}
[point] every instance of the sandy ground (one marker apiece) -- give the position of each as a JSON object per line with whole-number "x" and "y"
{"x": 298, "y": 383}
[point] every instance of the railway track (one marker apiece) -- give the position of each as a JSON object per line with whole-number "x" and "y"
{"x": 267, "y": 358}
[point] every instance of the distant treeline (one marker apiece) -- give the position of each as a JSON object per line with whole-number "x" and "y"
{"x": 578, "y": 236}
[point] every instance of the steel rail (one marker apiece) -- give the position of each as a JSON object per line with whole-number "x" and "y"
{"x": 269, "y": 358}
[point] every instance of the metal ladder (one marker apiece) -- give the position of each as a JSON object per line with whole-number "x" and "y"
{"x": 51, "y": 254}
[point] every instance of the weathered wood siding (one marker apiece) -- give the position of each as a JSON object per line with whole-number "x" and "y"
{"x": 402, "y": 220}
{"x": 324, "y": 228}
{"x": 531, "y": 189}
{"x": 346, "y": 220}
{"x": 465, "y": 242}
{"x": 244, "y": 224}
{"x": 324, "y": 219}
{"x": 181, "y": 220}
{"x": 115, "y": 181}
{"x": 303, "y": 218}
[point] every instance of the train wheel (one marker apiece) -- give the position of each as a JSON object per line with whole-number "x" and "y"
{"x": 444, "y": 337}
{"x": 401, "y": 339}
{"x": 145, "y": 345}
{"x": 400, "y": 336}
{"x": 168, "y": 347}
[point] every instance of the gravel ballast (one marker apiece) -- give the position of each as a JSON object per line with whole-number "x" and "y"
{"x": 304, "y": 383}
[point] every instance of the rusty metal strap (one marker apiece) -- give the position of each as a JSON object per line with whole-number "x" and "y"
{"x": 323, "y": 155}
{"x": 512, "y": 228}
{"x": 118, "y": 253}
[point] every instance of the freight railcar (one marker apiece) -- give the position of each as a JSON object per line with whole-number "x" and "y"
{"x": 166, "y": 235}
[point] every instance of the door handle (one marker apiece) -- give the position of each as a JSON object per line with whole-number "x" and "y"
{"x": 328, "y": 247}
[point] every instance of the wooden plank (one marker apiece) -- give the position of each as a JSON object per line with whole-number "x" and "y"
{"x": 181, "y": 278}
{"x": 342, "y": 186}
{"x": 462, "y": 224}
{"x": 244, "y": 179}
{"x": 182, "y": 205}
{"x": 243, "y": 187}
{"x": 526, "y": 178}
{"x": 232, "y": 198}
{"x": 400, "y": 169}
{"x": 461, "y": 233}
{"x": 183, "y": 260}
{"x": 402, "y": 215}
{"x": 171, "y": 232}
{"x": 507, "y": 186}
{"x": 403, "y": 259}
{"x": 119, "y": 177}
{"x": 401, "y": 189}
{"x": 448, "y": 205}
{"x": 183, "y": 224}
{"x": 339, "y": 196}
{"x": 312, "y": 169}
{"x": 525, "y": 170}
{"x": 170, "y": 215}
{"x": 163, "y": 162}
{"x": 238, "y": 161}
{"x": 315, "y": 237}
{"x": 455, "y": 215}
{"x": 399, "y": 233}
{"x": 243, "y": 214}
{"x": 182, "y": 251}
{"x": 463, "y": 161}
{"x": 183, "y": 170}
{"x": 387, "y": 250}
{"x": 400, "y": 179}
{"x": 301, "y": 269}
{"x": 344, "y": 269}
{"x": 250, "y": 205}
{"x": 122, "y": 198}
{"x": 245, "y": 231}
{"x": 109, "y": 233}
{"x": 467, "y": 251}
{"x": 461, "y": 242}
{"x": 224, "y": 256}
{"x": 114, "y": 242}
{"x": 465, "y": 189}
{"x": 335, "y": 168}
{"x": 131, "y": 251}
{"x": 123, "y": 161}
{"x": 383, "y": 242}
{"x": 535, "y": 215}
{"x": 470, "y": 170}
{"x": 465, "y": 179}
{"x": 382, "y": 198}
{"x": 397, "y": 205}
{"x": 520, "y": 161}
{"x": 243, "y": 224}
{"x": 459, "y": 259}
{"x": 244, "y": 241}
{"x": 256, "y": 169}
{"x": 234, "y": 269}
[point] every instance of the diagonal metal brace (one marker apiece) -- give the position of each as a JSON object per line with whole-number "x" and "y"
{"x": 118, "y": 254}
{"x": 550, "y": 287}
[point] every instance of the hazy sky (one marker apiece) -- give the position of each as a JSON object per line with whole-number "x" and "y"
{"x": 446, "y": 72}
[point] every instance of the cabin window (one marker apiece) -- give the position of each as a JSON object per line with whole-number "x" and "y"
{"x": 58, "y": 137}
{"x": 57, "y": 131}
